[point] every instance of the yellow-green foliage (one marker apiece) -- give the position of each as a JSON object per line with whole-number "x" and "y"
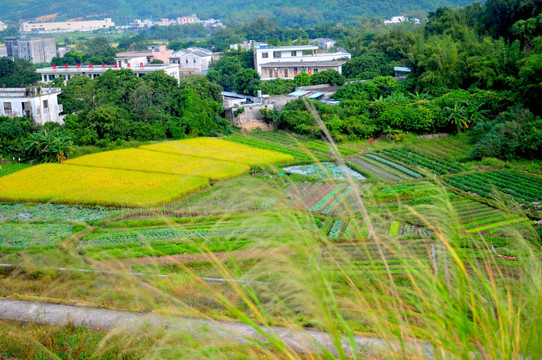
{"x": 148, "y": 176}
{"x": 167, "y": 163}
{"x": 81, "y": 184}
{"x": 222, "y": 150}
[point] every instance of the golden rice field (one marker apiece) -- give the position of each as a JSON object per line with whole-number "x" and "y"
{"x": 86, "y": 185}
{"x": 222, "y": 150}
{"x": 166, "y": 163}
{"x": 147, "y": 176}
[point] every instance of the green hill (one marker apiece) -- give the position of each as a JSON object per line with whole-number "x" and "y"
{"x": 287, "y": 12}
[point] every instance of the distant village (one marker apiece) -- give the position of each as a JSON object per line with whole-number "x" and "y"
{"x": 271, "y": 62}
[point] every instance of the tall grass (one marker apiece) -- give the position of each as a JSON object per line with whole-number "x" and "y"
{"x": 444, "y": 296}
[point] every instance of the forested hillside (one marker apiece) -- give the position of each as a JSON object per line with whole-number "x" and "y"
{"x": 303, "y": 12}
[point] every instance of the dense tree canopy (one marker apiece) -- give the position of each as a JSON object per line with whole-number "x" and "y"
{"x": 120, "y": 106}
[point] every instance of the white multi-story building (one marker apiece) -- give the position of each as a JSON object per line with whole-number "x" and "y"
{"x": 66, "y": 26}
{"x": 193, "y": 19}
{"x": 40, "y": 104}
{"x": 3, "y": 26}
{"x": 288, "y": 61}
{"x": 138, "y": 65}
{"x": 245, "y": 45}
{"x": 324, "y": 43}
{"x": 192, "y": 58}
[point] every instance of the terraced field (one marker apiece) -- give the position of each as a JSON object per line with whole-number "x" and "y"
{"x": 384, "y": 169}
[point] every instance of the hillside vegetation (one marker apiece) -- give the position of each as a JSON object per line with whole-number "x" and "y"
{"x": 299, "y": 13}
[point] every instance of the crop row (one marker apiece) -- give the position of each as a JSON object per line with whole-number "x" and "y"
{"x": 341, "y": 197}
{"x": 330, "y": 195}
{"x": 415, "y": 158}
{"x": 336, "y": 229}
{"x": 395, "y": 165}
{"x": 522, "y": 188}
{"x": 497, "y": 224}
{"x": 378, "y": 169}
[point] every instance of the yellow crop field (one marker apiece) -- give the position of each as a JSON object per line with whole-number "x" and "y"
{"x": 146, "y": 176}
{"x": 86, "y": 185}
{"x": 222, "y": 150}
{"x": 166, "y": 163}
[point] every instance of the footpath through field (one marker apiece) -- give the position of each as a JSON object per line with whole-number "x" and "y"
{"x": 298, "y": 340}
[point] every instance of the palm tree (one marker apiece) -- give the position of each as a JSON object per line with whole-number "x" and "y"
{"x": 457, "y": 116}
{"x": 49, "y": 146}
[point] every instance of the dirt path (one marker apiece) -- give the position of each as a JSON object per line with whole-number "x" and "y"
{"x": 299, "y": 340}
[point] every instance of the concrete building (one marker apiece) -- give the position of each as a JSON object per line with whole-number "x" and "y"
{"x": 193, "y": 57}
{"x": 324, "y": 43}
{"x": 154, "y": 52}
{"x": 288, "y": 61}
{"x": 401, "y": 19}
{"x": 3, "y": 51}
{"x": 138, "y": 24}
{"x": 3, "y": 26}
{"x": 245, "y": 45}
{"x": 35, "y": 50}
{"x": 138, "y": 66}
{"x": 192, "y": 19}
{"x": 38, "y": 104}
{"x": 67, "y": 26}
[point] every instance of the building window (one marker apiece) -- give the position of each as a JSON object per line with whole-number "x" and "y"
{"x": 294, "y": 53}
{"x": 265, "y": 55}
{"x": 194, "y": 61}
{"x": 186, "y": 61}
{"x": 276, "y": 54}
{"x": 315, "y": 71}
{"x": 7, "y": 108}
{"x": 46, "y": 104}
{"x": 285, "y": 72}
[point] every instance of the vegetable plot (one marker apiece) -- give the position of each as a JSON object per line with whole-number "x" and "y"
{"x": 384, "y": 169}
{"x": 523, "y": 188}
{"x": 325, "y": 198}
{"x": 414, "y": 158}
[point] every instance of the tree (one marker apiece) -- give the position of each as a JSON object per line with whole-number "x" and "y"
{"x": 247, "y": 81}
{"x": 302, "y": 79}
{"x": 331, "y": 77}
{"x": 48, "y": 146}
{"x": 225, "y": 71}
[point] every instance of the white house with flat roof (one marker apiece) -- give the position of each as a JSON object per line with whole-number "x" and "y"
{"x": 40, "y": 104}
{"x": 139, "y": 67}
{"x": 192, "y": 58}
{"x": 288, "y": 61}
